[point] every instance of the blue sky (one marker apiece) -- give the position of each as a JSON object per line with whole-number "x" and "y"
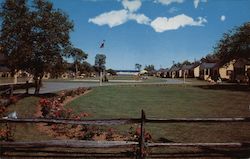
{"x": 151, "y": 31}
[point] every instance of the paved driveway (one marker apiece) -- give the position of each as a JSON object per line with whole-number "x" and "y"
{"x": 49, "y": 87}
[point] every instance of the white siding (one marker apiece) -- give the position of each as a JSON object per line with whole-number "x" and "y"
{"x": 197, "y": 71}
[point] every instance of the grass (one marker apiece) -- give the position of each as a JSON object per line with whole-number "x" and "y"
{"x": 172, "y": 101}
{"x": 26, "y": 108}
{"x": 160, "y": 101}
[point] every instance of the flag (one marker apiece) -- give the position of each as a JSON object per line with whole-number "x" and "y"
{"x": 102, "y": 44}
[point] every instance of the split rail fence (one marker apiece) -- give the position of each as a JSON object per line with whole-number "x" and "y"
{"x": 141, "y": 144}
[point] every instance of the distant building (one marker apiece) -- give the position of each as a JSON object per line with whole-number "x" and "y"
{"x": 207, "y": 70}
{"x": 4, "y": 70}
{"x": 127, "y": 72}
{"x": 188, "y": 70}
{"x": 241, "y": 66}
{"x": 164, "y": 73}
{"x": 174, "y": 71}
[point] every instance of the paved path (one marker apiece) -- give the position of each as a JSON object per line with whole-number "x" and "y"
{"x": 49, "y": 87}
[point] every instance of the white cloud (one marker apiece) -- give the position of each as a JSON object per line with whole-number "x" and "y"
{"x": 118, "y": 17}
{"x": 168, "y": 2}
{"x": 173, "y": 10}
{"x": 113, "y": 18}
{"x": 139, "y": 18}
{"x": 162, "y": 24}
{"x": 132, "y": 6}
{"x": 196, "y": 3}
{"x": 223, "y": 18}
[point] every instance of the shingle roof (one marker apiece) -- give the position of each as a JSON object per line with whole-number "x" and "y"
{"x": 4, "y": 69}
{"x": 207, "y": 65}
{"x": 174, "y": 68}
{"x": 241, "y": 62}
{"x": 3, "y": 58}
{"x": 163, "y": 70}
{"x": 187, "y": 67}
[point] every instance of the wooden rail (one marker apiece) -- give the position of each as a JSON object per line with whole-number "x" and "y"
{"x": 69, "y": 144}
{"x": 123, "y": 121}
{"x": 141, "y": 144}
{"x": 9, "y": 90}
{"x": 73, "y": 122}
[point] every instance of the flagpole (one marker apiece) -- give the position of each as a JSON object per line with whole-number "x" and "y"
{"x": 101, "y": 78}
{"x": 102, "y": 71}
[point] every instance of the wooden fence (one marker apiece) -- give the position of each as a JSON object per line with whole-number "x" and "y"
{"x": 141, "y": 143}
{"x": 9, "y": 88}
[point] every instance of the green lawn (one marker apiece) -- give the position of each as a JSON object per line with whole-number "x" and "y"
{"x": 26, "y": 108}
{"x": 159, "y": 101}
{"x": 172, "y": 101}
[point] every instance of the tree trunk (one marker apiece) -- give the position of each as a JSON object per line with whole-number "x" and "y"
{"x": 248, "y": 75}
{"x": 249, "y": 80}
{"x": 38, "y": 84}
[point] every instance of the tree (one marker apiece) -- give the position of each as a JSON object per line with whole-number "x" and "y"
{"x": 234, "y": 45}
{"x": 34, "y": 38}
{"x": 186, "y": 62}
{"x": 150, "y": 69}
{"x": 112, "y": 72}
{"x": 79, "y": 56}
{"x": 59, "y": 69}
{"x": 86, "y": 68}
{"x": 210, "y": 58}
{"x": 138, "y": 66}
{"x": 16, "y": 29}
{"x": 100, "y": 61}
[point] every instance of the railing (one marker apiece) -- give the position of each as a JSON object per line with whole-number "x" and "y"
{"x": 141, "y": 144}
{"x": 9, "y": 88}
{"x": 7, "y": 91}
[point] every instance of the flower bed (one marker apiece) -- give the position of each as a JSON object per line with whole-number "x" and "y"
{"x": 5, "y": 102}
{"x": 53, "y": 108}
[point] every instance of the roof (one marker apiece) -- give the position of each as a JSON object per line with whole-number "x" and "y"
{"x": 3, "y": 59}
{"x": 174, "y": 68}
{"x": 163, "y": 70}
{"x": 207, "y": 65}
{"x": 241, "y": 62}
{"x": 187, "y": 67}
{"x": 4, "y": 69}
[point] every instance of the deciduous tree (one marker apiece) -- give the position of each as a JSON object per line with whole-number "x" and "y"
{"x": 235, "y": 44}
{"x": 138, "y": 66}
{"x": 100, "y": 61}
{"x": 34, "y": 38}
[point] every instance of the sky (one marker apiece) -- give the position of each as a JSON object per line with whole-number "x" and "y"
{"x": 154, "y": 32}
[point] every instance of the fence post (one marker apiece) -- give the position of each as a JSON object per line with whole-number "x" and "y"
{"x": 11, "y": 90}
{"x": 142, "y": 138}
{"x": 27, "y": 87}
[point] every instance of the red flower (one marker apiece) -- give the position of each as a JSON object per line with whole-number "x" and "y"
{"x": 13, "y": 99}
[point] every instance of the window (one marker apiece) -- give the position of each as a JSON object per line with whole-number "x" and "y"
{"x": 229, "y": 72}
{"x": 207, "y": 72}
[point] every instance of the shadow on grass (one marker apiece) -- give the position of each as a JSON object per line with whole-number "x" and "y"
{"x": 36, "y": 153}
{"x": 228, "y": 87}
{"x": 204, "y": 152}
{"x": 164, "y": 140}
{"x": 44, "y": 95}
{"x": 236, "y": 153}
